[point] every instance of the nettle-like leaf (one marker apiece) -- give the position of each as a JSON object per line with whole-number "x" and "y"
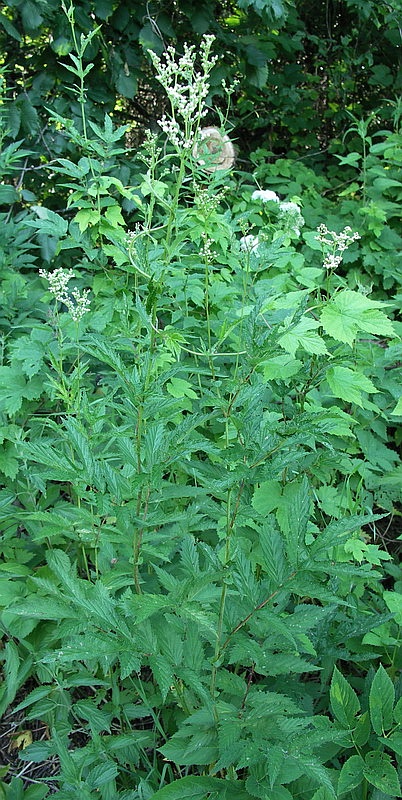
{"x": 351, "y": 775}
{"x": 198, "y": 787}
{"x": 344, "y": 701}
{"x": 14, "y": 389}
{"x": 303, "y": 335}
{"x": 195, "y": 742}
{"x": 349, "y": 385}
{"x": 31, "y": 351}
{"x": 381, "y": 702}
{"x": 379, "y": 771}
{"x": 349, "y": 313}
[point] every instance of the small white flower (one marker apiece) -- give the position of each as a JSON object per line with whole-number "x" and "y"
{"x": 340, "y": 241}
{"x": 58, "y": 286}
{"x": 287, "y": 207}
{"x": 290, "y": 217}
{"x": 249, "y": 243}
{"x": 337, "y": 242}
{"x": 332, "y": 262}
{"x": 265, "y": 195}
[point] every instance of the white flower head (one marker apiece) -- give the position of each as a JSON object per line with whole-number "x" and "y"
{"x": 288, "y": 207}
{"x": 58, "y": 286}
{"x": 336, "y": 243}
{"x": 249, "y": 243}
{"x": 265, "y": 195}
{"x": 291, "y": 217}
{"x": 332, "y": 262}
{"x": 186, "y": 87}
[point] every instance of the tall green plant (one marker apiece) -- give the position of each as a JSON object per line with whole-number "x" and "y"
{"x": 176, "y": 584}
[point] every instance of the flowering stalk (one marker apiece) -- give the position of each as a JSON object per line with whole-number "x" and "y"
{"x": 334, "y": 245}
{"x": 58, "y": 282}
{"x": 77, "y": 305}
{"x": 187, "y": 90}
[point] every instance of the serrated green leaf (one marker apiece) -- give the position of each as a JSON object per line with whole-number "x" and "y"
{"x": 144, "y": 606}
{"x": 314, "y": 769}
{"x": 11, "y": 683}
{"x": 362, "y": 730}
{"x": 393, "y": 742}
{"x": 322, "y": 793}
{"x": 397, "y": 712}
{"x": 394, "y": 603}
{"x": 381, "y": 702}
{"x": 163, "y": 674}
{"x": 42, "y": 608}
{"x": 49, "y": 222}
{"x": 398, "y": 408}
{"x": 198, "y": 787}
{"x": 267, "y": 497}
{"x": 303, "y": 335}
{"x": 336, "y": 532}
{"x": 350, "y": 312}
{"x": 102, "y": 774}
{"x": 351, "y": 775}
{"x": 33, "y": 697}
{"x": 273, "y": 555}
{"x": 349, "y": 384}
{"x": 14, "y": 389}
{"x": 298, "y": 514}
{"x": 378, "y": 771}
{"x": 344, "y": 701}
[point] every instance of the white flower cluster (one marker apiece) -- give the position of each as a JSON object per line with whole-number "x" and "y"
{"x": 206, "y": 250}
{"x": 185, "y": 87}
{"x": 265, "y": 195}
{"x": 337, "y": 242}
{"x": 173, "y": 132}
{"x": 249, "y": 243}
{"x": 332, "y": 262}
{"x": 205, "y": 201}
{"x": 58, "y": 285}
{"x": 291, "y": 216}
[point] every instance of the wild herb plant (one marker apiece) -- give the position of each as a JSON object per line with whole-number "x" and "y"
{"x": 190, "y": 563}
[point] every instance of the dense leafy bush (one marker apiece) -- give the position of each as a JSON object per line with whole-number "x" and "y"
{"x": 199, "y": 406}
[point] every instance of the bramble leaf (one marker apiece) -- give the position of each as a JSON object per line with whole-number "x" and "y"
{"x": 350, "y": 312}
{"x": 351, "y": 774}
{"x": 348, "y": 384}
{"x": 302, "y": 335}
{"x": 344, "y": 701}
{"x": 381, "y": 701}
{"x": 197, "y": 787}
{"x": 379, "y": 771}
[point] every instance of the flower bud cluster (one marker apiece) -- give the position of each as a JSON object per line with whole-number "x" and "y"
{"x": 58, "y": 285}
{"x": 338, "y": 242}
{"x": 205, "y": 201}
{"x": 185, "y": 87}
{"x": 206, "y": 250}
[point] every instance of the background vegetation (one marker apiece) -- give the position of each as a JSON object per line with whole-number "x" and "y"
{"x": 200, "y": 400}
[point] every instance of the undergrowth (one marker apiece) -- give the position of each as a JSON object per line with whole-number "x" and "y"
{"x": 200, "y": 445}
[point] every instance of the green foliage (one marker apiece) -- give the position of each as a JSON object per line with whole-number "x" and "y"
{"x": 199, "y": 397}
